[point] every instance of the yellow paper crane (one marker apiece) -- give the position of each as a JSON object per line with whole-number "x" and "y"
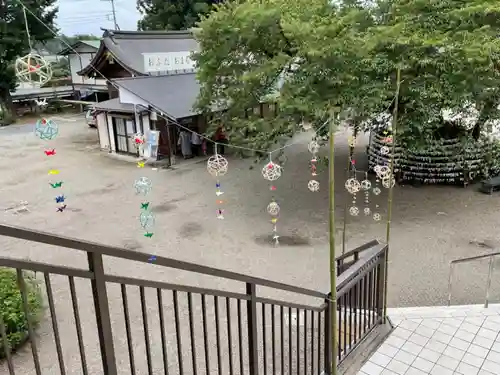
{"x": 53, "y": 171}
{"x": 140, "y": 164}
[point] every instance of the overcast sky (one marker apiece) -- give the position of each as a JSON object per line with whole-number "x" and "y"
{"x": 88, "y": 16}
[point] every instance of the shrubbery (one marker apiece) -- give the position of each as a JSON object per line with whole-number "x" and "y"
{"x": 11, "y": 307}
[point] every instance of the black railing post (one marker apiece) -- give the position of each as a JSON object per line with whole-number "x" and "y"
{"x": 381, "y": 303}
{"x": 101, "y": 305}
{"x": 328, "y": 337}
{"x": 253, "y": 359}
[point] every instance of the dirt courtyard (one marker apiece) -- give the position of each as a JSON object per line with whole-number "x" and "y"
{"x": 431, "y": 225}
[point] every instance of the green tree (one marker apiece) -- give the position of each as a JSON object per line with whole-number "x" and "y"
{"x": 308, "y": 56}
{"x": 14, "y": 39}
{"x": 171, "y": 14}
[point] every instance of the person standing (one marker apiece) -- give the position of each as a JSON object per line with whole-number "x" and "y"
{"x": 196, "y": 142}
{"x": 185, "y": 143}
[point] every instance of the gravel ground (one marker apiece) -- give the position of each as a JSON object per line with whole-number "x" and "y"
{"x": 431, "y": 226}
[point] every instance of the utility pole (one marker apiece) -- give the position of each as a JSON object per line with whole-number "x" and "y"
{"x": 113, "y": 10}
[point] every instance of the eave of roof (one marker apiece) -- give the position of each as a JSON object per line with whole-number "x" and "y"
{"x": 75, "y": 45}
{"x": 99, "y": 58}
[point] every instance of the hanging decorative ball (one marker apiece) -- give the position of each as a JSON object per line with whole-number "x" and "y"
{"x": 313, "y": 185}
{"x": 351, "y": 141}
{"x": 366, "y": 184}
{"x": 384, "y": 150}
{"x": 271, "y": 171}
{"x": 313, "y": 147}
{"x": 217, "y": 165}
{"x": 354, "y": 211}
{"x": 382, "y": 171}
{"x": 46, "y": 129}
{"x": 352, "y": 185}
{"x": 147, "y": 219}
{"x": 376, "y": 191}
{"x": 33, "y": 68}
{"x": 367, "y": 211}
{"x": 273, "y": 208}
{"x": 377, "y": 216}
{"x": 143, "y": 185}
{"x": 388, "y": 182}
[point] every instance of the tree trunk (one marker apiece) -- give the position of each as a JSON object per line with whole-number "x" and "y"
{"x": 8, "y": 112}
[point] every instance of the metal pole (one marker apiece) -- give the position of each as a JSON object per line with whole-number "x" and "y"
{"x": 333, "y": 276}
{"x": 114, "y": 14}
{"x": 488, "y": 282}
{"x": 450, "y": 281}
{"x": 391, "y": 188}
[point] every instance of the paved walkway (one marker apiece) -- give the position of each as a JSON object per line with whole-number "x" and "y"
{"x": 457, "y": 340}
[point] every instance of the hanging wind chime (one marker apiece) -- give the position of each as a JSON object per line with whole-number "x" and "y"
{"x": 217, "y": 166}
{"x": 313, "y": 184}
{"x": 271, "y": 172}
{"x": 48, "y": 130}
{"x": 143, "y": 186}
{"x": 352, "y": 185}
{"x": 383, "y": 173}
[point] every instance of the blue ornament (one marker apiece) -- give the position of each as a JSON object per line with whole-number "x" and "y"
{"x": 60, "y": 199}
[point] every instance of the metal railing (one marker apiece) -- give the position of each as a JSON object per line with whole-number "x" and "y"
{"x": 136, "y": 326}
{"x": 491, "y": 266}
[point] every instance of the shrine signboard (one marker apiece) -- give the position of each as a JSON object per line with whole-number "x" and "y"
{"x": 169, "y": 61}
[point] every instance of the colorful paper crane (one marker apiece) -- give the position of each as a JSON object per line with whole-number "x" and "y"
{"x": 152, "y": 258}
{"x": 53, "y": 171}
{"x": 140, "y": 164}
{"x": 144, "y": 206}
{"x": 62, "y": 208}
{"x": 56, "y": 185}
{"x": 50, "y": 152}
{"x": 60, "y": 199}
{"x": 149, "y": 235}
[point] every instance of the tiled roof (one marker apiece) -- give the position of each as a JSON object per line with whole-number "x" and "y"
{"x": 128, "y": 47}
{"x": 175, "y": 95}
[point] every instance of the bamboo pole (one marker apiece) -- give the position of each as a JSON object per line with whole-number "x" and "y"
{"x": 333, "y": 270}
{"x": 391, "y": 179}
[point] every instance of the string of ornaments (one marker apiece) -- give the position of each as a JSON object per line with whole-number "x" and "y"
{"x": 217, "y": 166}
{"x": 48, "y": 130}
{"x": 271, "y": 172}
{"x": 143, "y": 187}
{"x": 354, "y": 186}
{"x": 313, "y": 148}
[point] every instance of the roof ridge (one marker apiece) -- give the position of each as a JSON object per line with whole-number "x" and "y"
{"x": 149, "y": 34}
{"x": 151, "y": 76}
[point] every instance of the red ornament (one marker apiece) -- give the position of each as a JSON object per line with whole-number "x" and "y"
{"x": 44, "y": 121}
{"x": 270, "y": 166}
{"x": 353, "y": 162}
{"x": 273, "y": 188}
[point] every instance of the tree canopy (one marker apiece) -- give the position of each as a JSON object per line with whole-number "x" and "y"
{"x": 171, "y": 14}
{"x": 14, "y": 39}
{"x": 308, "y": 56}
